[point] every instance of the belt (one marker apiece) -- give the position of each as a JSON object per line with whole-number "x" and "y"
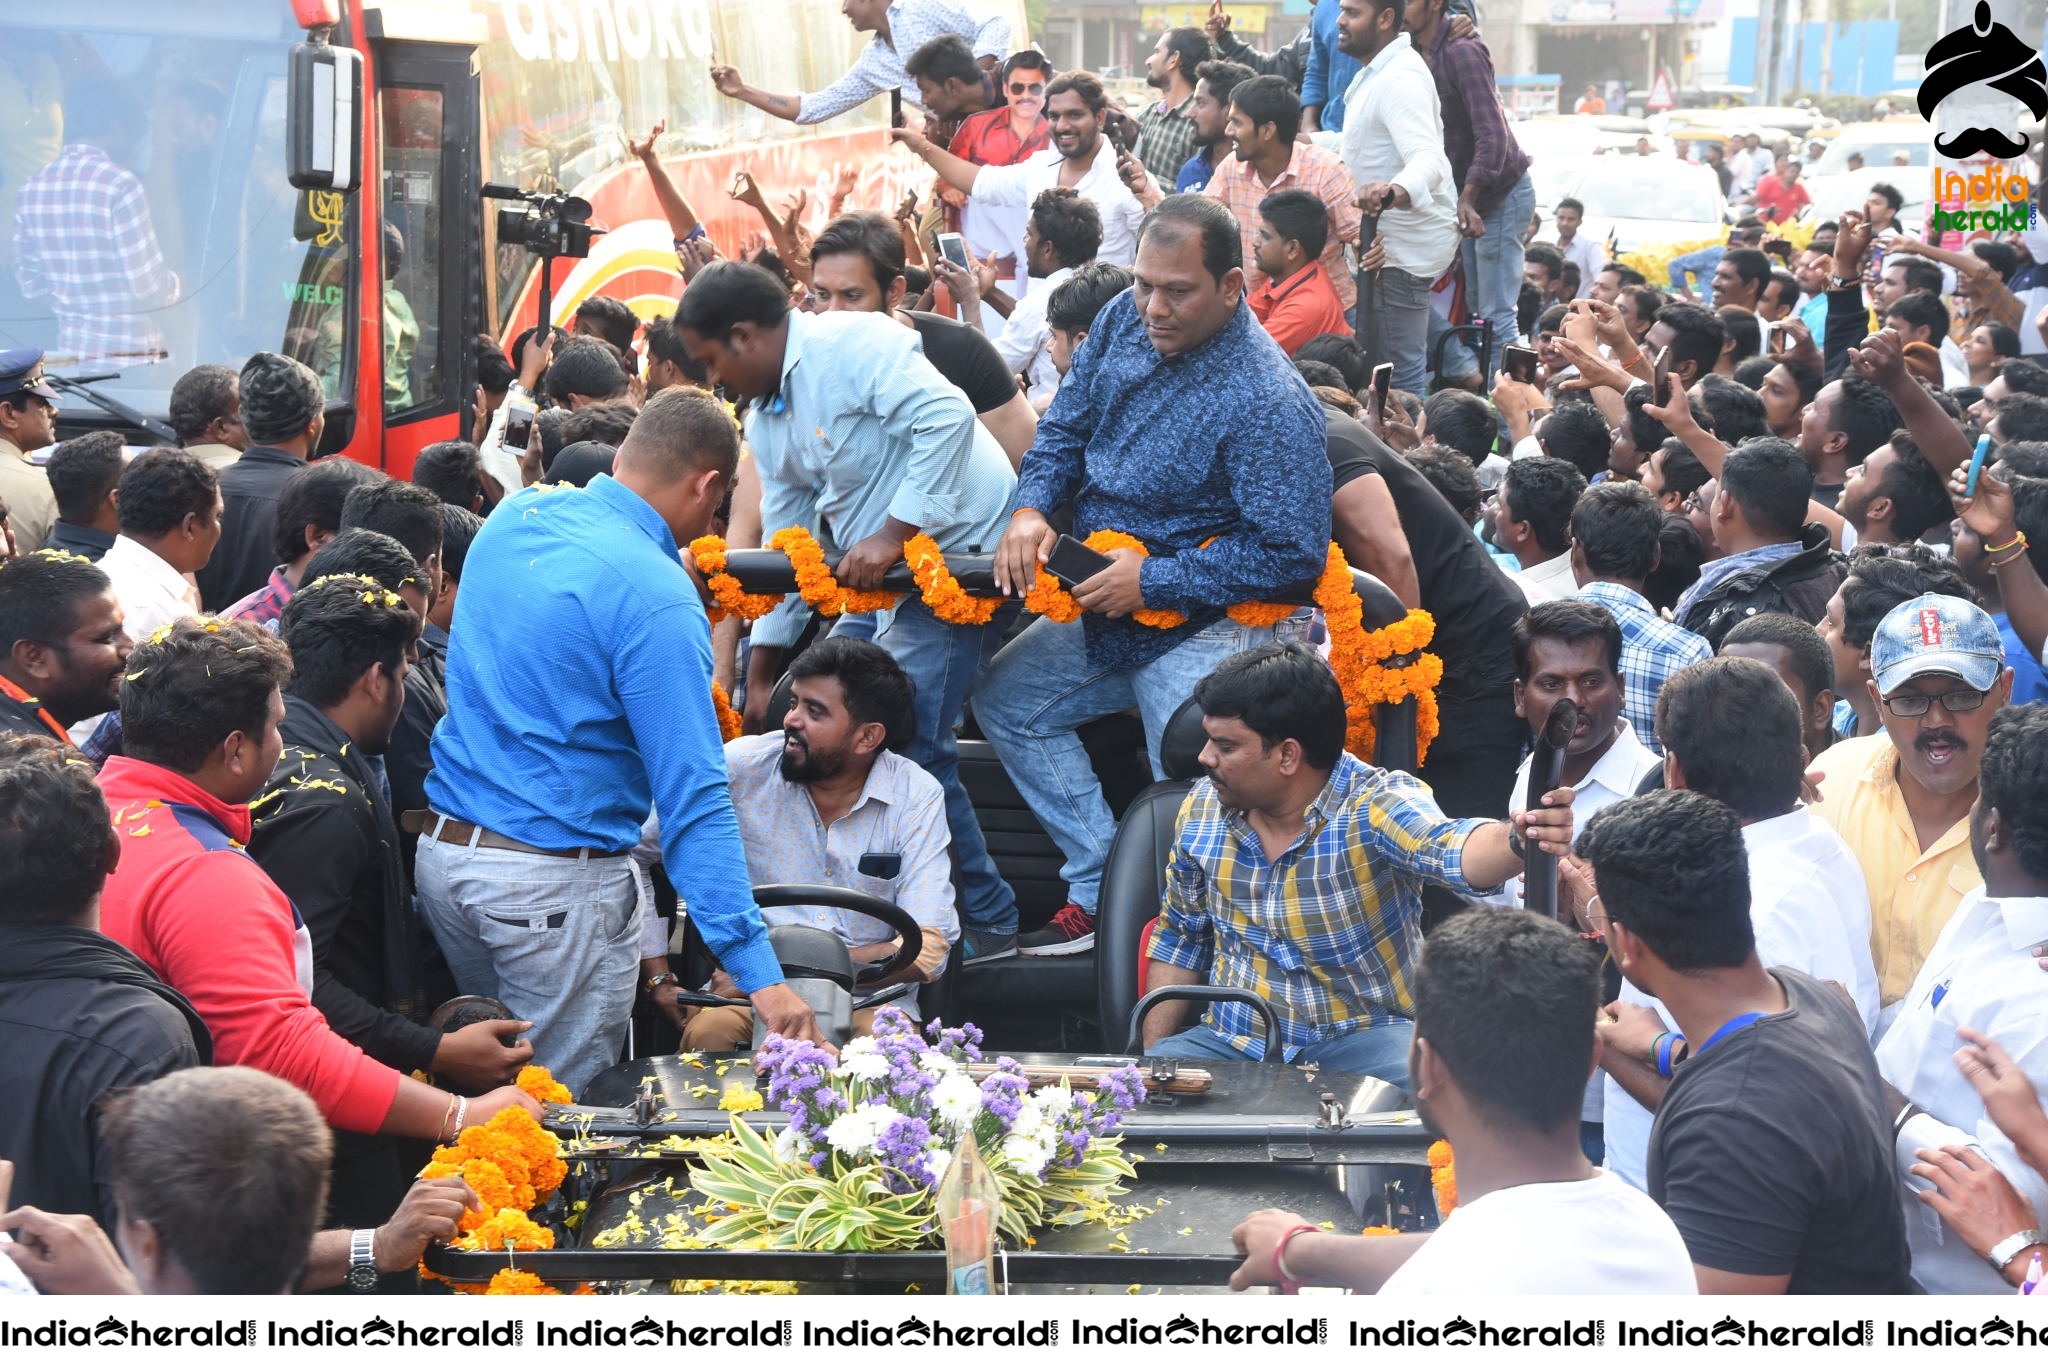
{"x": 448, "y": 831}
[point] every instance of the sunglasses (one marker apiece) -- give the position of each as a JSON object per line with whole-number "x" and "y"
{"x": 1035, "y": 88}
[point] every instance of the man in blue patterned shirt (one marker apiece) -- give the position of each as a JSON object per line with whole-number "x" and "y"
{"x": 1297, "y": 874}
{"x": 1180, "y": 423}
{"x": 1614, "y": 548}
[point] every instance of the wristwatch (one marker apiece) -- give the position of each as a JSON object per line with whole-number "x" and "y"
{"x": 2005, "y": 1250}
{"x": 656, "y": 981}
{"x": 362, "y": 1260}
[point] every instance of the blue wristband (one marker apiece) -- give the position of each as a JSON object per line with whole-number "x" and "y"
{"x": 1667, "y": 1044}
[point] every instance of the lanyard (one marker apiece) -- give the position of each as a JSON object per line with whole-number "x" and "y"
{"x": 1747, "y": 1018}
{"x": 20, "y": 695}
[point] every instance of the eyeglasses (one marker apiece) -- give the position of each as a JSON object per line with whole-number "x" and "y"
{"x": 1035, "y": 88}
{"x": 1596, "y": 916}
{"x": 1953, "y": 701}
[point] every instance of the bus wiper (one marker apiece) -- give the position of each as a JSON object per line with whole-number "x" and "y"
{"x": 82, "y": 386}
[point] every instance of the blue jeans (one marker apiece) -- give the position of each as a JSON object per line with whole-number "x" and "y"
{"x": 1400, "y": 315}
{"x": 556, "y": 940}
{"x": 1695, "y": 270}
{"x": 1042, "y": 688}
{"x": 947, "y": 663}
{"x": 1493, "y": 268}
{"x": 1380, "y": 1052}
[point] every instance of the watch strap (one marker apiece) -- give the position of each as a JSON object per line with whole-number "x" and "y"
{"x": 362, "y": 1259}
{"x": 2005, "y": 1250}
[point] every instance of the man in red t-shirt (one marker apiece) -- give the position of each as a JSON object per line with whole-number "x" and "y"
{"x": 1003, "y": 136}
{"x": 1780, "y": 196}
{"x": 1298, "y": 300}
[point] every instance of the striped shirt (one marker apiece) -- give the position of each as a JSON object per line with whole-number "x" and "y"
{"x": 83, "y": 240}
{"x": 1166, "y": 138}
{"x": 1323, "y": 174}
{"x": 1328, "y": 933}
{"x": 880, "y": 66}
{"x": 1652, "y": 650}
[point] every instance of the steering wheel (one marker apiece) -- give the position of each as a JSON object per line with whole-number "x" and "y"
{"x": 909, "y": 934}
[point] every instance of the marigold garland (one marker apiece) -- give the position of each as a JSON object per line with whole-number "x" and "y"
{"x": 538, "y": 1083}
{"x": 730, "y": 724}
{"x": 1443, "y": 1176}
{"x": 814, "y": 582}
{"x": 731, "y": 599}
{"x": 941, "y": 591}
{"x": 510, "y": 1162}
{"x": 1049, "y": 598}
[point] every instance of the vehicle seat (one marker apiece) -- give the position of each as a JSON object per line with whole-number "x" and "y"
{"x": 1134, "y": 875}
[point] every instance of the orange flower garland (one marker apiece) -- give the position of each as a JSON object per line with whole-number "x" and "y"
{"x": 1049, "y": 598}
{"x": 730, "y": 727}
{"x": 814, "y": 582}
{"x": 538, "y": 1083}
{"x": 732, "y": 600}
{"x": 510, "y": 1162}
{"x": 1356, "y": 657}
{"x": 1443, "y": 1177}
{"x": 941, "y": 591}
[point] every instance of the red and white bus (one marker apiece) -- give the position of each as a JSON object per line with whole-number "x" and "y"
{"x": 229, "y": 259}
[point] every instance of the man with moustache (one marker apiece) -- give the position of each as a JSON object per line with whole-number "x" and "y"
{"x": 62, "y": 647}
{"x": 1902, "y": 799}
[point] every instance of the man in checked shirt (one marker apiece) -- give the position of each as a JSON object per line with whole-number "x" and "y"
{"x": 1297, "y": 873}
{"x": 83, "y": 238}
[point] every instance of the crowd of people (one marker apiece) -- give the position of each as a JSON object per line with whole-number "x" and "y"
{"x": 329, "y": 800}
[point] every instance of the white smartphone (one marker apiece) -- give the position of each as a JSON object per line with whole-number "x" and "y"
{"x": 518, "y": 425}
{"x": 953, "y": 247}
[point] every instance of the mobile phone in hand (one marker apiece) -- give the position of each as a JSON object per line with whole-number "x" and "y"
{"x": 1073, "y": 562}
{"x": 953, "y": 247}
{"x": 518, "y": 426}
{"x": 1659, "y": 374}
{"x": 896, "y": 108}
{"x": 1977, "y": 460}
{"x": 1382, "y": 383}
{"x": 1519, "y": 362}
{"x": 1115, "y": 128}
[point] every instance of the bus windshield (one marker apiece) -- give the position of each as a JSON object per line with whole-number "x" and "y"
{"x": 146, "y": 225}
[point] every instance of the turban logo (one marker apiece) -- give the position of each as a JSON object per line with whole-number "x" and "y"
{"x": 1988, "y": 54}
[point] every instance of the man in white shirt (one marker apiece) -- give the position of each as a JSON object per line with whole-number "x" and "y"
{"x": 1532, "y": 517}
{"x": 1982, "y": 973}
{"x": 1748, "y": 164}
{"x": 169, "y": 501}
{"x": 900, "y": 27}
{"x": 1393, "y": 141}
{"x": 1064, "y": 232}
{"x": 1589, "y": 255}
{"x": 1081, "y": 158}
{"x": 1731, "y": 729}
{"x": 829, "y": 799}
{"x": 1532, "y": 1215}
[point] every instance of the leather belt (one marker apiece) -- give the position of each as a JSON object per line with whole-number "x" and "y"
{"x": 448, "y": 831}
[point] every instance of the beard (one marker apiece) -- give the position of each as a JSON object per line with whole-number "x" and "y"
{"x": 799, "y": 765}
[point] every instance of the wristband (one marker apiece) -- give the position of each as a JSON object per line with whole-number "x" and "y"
{"x": 1516, "y": 845}
{"x": 1668, "y": 1056}
{"x": 2019, "y": 539}
{"x": 1288, "y": 1285}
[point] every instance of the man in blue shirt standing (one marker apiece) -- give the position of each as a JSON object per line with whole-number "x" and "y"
{"x": 1329, "y": 74}
{"x": 860, "y": 441}
{"x": 579, "y": 696}
{"x": 1180, "y": 423}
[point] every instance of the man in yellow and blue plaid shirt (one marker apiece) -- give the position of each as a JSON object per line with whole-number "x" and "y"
{"x": 1297, "y": 873}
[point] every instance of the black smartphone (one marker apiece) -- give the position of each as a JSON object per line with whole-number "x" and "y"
{"x": 1115, "y": 128}
{"x": 896, "y": 108}
{"x": 1519, "y": 362}
{"x": 1382, "y": 384}
{"x": 1660, "y": 372}
{"x": 1072, "y": 562}
{"x": 878, "y": 865}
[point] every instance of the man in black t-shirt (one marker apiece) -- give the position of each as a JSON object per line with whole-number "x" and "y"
{"x": 1392, "y": 523}
{"x": 857, "y": 266}
{"x": 1771, "y": 1151}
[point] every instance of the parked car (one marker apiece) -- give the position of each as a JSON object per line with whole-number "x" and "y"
{"x": 1879, "y": 144}
{"x": 1645, "y": 202}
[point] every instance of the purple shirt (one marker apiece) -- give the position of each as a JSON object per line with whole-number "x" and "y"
{"x": 1486, "y": 161}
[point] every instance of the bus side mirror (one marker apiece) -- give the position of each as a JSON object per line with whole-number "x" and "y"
{"x": 324, "y": 94}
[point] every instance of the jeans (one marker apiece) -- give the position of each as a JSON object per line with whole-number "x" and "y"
{"x": 1493, "y": 268}
{"x": 947, "y": 663}
{"x": 556, "y": 940}
{"x": 1695, "y": 267}
{"x": 1380, "y": 1052}
{"x": 1042, "y": 688}
{"x": 1400, "y": 318}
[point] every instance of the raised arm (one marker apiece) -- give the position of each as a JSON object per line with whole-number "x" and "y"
{"x": 957, "y": 172}
{"x": 682, "y": 219}
{"x": 1881, "y": 360}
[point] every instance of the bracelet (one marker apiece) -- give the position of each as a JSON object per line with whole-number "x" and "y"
{"x": 1626, "y": 361}
{"x": 2019, "y": 539}
{"x": 1288, "y": 1285}
{"x": 1899, "y": 1120}
{"x": 2019, "y": 554}
{"x": 1516, "y": 846}
{"x": 446, "y": 1115}
{"x": 1668, "y": 1056}
{"x": 459, "y": 1105}
{"x": 2002, "y": 1253}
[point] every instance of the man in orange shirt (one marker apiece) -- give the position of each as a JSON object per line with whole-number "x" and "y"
{"x": 1297, "y": 300}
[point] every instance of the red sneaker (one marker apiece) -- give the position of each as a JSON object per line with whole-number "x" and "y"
{"x": 1071, "y": 931}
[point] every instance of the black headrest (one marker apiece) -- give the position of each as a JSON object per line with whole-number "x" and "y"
{"x": 1180, "y": 744}
{"x": 779, "y": 700}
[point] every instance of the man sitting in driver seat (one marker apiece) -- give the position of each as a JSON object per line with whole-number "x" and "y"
{"x": 830, "y": 800}
{"x": 1297, "y": 872}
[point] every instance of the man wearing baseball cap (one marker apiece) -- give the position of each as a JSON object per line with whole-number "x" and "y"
{"x": 28, "y": 421}
{"x": 1901, "y": 799}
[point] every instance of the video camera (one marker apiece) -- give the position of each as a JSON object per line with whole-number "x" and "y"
{"x": 547, "y": 225}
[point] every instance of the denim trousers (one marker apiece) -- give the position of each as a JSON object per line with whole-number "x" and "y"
{"x": 1042, "y": 688}
{"x": 946, "y": 663}
{"x": 1400, "y": 314}
{"x": 557, "y": 940}
{"x": 1380, "y": 1052}
{"x": 1493, "y": 269}
{"x": 1695, "y": 270}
